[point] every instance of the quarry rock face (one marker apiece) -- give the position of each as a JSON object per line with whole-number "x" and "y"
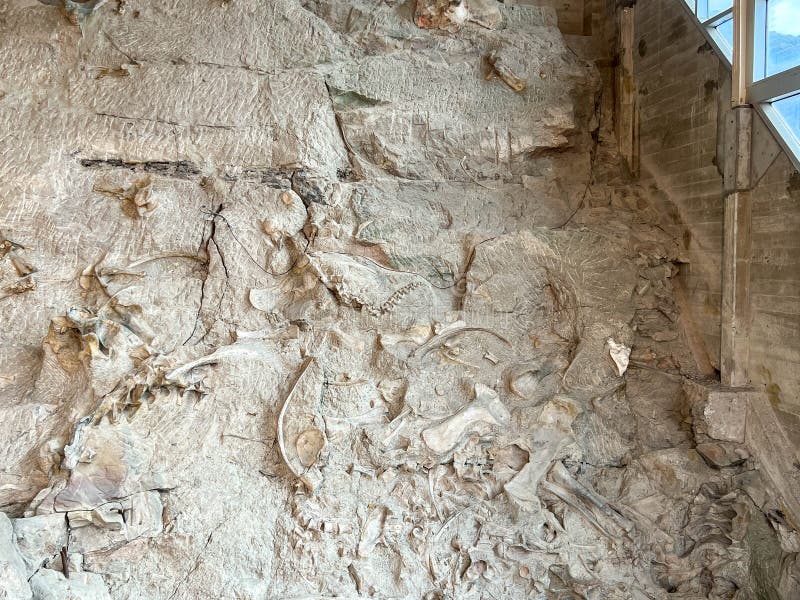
{"x": 325, "y": 299}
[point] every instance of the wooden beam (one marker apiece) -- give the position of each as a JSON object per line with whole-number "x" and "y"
{"x": 741, "y": 67}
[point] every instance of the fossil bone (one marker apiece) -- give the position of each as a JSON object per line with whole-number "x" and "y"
{"x": 371, "y": 531}
{"x": 306, "y": 444}
{"x": 310, "y": 444}
{"x": 441, "y": 338}
{"x": 620, "y": 354}
{"x": 562, "y": 476}
{"x": 486, "y": 408}
{"x": 326, "y": 168}
{"x": 362, "y": 284}
{"x": 552, "y": 433}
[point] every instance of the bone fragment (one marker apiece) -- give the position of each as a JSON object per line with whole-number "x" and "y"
{"x": 310, "y": 444}
{"x": 562, "y": 476}
{"x": 439, "y": 339}
{"x": 620, "y": 355}
{"x": 486, "y": 408}
{"x": 296, "y": 469}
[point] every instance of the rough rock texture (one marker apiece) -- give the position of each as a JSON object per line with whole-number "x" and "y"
{"x": 344, "y": 299}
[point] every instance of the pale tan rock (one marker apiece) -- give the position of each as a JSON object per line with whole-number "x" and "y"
{"x": 297, "y": 304}
{"x": 718, "y": 413}
{"x": 40, "y": 538}
{"x": 52, "y": 585}
{"x": 723, "y": 454}
{"x": 13, "y": 573}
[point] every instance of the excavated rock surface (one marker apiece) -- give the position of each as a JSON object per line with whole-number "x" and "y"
{"x": 343, "y": 299}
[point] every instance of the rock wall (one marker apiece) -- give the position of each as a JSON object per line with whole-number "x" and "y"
{"x": 335, "y": 299}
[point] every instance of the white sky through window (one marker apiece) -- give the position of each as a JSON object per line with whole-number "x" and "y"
{"x": 784, "y": 16}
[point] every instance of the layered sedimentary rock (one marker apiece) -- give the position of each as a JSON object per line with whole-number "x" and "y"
{"x": 344, "y": 299}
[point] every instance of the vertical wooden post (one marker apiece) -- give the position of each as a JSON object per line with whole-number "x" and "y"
{"x": 742, "y": 11}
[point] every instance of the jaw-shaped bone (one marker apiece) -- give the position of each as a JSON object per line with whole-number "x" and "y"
{"x": 485, "y": 409}
{"x": 362, "y": 283}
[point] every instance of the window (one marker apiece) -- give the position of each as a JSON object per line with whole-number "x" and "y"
{"x": 788, "y": 110}
{"x": 724, "y": 34}
{"x": 772, "y": 57}
{"x": 707, "y": 9}
{"x": 776, "y": 37}
{"x": 783, "y": 35}
{"x": 716, "y": 18}
{"x": 775, "y": 63}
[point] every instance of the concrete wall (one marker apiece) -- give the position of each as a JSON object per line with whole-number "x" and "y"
{"x": 775, "y": 291}
{"x": 574, "y": 16}
{"x": 682, "y": 95}
{"x": 676, "y": 83}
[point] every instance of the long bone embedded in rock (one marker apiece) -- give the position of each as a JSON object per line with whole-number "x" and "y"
{"x": 440, "y": 338}
{"x": 585, "y": 502}
{"x": 574, "y": 502}
{"x": 544, "y": 448}
{"x": 486, "y": 408}
{"x": 179, "y": 374}
{"x": 562, "y": 476}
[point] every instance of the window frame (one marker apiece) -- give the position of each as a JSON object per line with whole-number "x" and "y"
{"x": 758, "y": 91}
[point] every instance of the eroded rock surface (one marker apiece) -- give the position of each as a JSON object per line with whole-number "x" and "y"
{"x": 326, "y": 299}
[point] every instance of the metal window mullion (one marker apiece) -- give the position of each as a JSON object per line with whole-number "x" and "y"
{"x": 776, "y": 86}
{"x": 713, "y": 21}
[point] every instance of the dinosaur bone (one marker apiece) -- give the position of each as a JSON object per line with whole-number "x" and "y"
{"x": 485, "y": 409}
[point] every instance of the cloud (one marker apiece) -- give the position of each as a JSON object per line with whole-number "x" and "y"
{"x": 784, "y": 16}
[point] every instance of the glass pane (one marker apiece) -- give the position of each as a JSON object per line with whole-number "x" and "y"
{"x": 789, "y": 110}
{"x": 725, "y": 31}
{"x": 783, "y": 35}
{"x": 717, "y": 6}
{"x": 709, "y": 8}
{"x": 760, "y": 41}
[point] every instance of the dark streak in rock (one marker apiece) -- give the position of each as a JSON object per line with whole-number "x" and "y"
{"x": 180, "y": 169}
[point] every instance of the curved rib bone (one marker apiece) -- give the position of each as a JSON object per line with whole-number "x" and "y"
{"x": 295, "y": 467}
{"x": 438, "y": 340}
